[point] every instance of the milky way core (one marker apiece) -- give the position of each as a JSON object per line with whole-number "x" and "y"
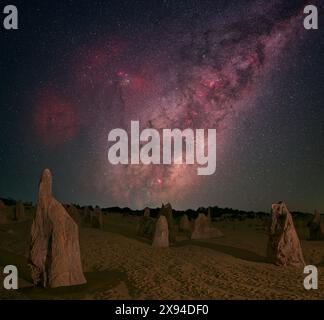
{"x": 196, "y": 77}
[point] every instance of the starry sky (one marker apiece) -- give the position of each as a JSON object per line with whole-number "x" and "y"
{"x": 77, "y": 69}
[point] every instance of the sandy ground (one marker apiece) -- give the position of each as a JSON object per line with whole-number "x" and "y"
{"x": 119, "y": 265}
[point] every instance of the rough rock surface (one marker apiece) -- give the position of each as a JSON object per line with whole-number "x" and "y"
{"x": 146, "y": 225}
{"x": 316, "y": 227}
{"x": 147, "y": 212}
{"x": 19, "y": 212}
{"x": 74, "y": 214}
{"x": 184, "y": 224}
{"x": 209, "y": 217}
{"x": 97, "y": 219}
{"x": 3, "y": 213}
{"x": 161, "y": 234}
{"x": 54, "y": 256}
{"x": 86, "y": 217}
{"x": 203, "y": 230}
{"x": 166, "y": 211}
{"x": 283, "y": 246}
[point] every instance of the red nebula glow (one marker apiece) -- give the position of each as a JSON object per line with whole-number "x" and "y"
{"x": 95, "y": 63}
{"x": 209, "y": 83}
{"x": 121, "y": 74}
{"x": 114, "y": 81}
{"x": 139, "y": 83}
{"x": 136, "y": 83}
{"x": 55, "y": 120}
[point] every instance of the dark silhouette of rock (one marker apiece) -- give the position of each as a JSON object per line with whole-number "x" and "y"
{"x": 147, "y": 212}
{"x": 166, "y": 211}
{"x": 161, "y": 234}
{"x": 203, "y": 230}
{"x": 19, "y": 212}
{"x": 3, "y": 213}
{"x": 54, "y": 256}
{"x": 284, "y": 247}
{"x": 86, "y": 217}
{"x": 316, "y": 227}
{"x": 209, "y": 218}
{"x": 146, "y": 225}
{"x": 97, "y": 219}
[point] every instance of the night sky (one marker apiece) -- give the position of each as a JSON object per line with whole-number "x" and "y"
{"x": 77, "y": 69}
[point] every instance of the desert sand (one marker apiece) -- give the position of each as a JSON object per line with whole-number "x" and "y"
{"x": 118, "y": 264}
